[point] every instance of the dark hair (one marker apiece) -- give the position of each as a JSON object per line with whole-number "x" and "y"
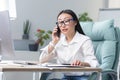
{"x": 70, "y": 12}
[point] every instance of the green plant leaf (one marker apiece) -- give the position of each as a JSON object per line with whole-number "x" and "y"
{"x": 42, "y": 43}
{"x": 43, "y": 36}
{"x": 49, "y": 32}
{"x": 26, "y": 27}
{"x": 84, "y": 17}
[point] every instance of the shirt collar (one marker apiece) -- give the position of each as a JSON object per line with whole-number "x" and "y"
{"x": 75, "y": 39}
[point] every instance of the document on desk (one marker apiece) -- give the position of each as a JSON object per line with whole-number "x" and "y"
{"x": 26, "y": 62}
{"x": 8, "y": 63}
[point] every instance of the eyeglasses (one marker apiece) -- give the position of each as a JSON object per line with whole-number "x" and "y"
{"x": 65, "y": 22}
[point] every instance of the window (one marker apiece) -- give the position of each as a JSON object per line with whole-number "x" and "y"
{"x": 114, "y": 4}
{"x": 10, "y": 6}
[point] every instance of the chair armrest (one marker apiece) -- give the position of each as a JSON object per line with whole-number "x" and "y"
{"x": 111, "y": 73}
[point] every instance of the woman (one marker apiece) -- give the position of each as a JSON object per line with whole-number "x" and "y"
{"x": 71, "y": 46}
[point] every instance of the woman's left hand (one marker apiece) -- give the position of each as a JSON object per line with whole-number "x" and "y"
{"x": 76, "y": 63}
{"x": 79, "y": 63}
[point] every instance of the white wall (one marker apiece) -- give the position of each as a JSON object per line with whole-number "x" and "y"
{"x": 42, "y": 13}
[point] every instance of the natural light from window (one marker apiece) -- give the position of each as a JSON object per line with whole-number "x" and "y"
{"x": 10, "y": 6}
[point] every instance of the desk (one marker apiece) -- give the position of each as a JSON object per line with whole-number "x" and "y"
{"x": 37, "y": 68}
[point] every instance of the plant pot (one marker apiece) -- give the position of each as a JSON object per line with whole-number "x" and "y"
{"x": 33, "y": 47}
{"x": 25, "y": 36}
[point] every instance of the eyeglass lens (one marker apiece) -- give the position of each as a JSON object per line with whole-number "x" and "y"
{"x": 65, "y": 22}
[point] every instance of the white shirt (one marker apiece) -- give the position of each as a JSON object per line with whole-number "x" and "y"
{"x": 80, "y": 48}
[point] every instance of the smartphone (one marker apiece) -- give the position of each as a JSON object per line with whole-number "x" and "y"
{"x": 58, "y": 32}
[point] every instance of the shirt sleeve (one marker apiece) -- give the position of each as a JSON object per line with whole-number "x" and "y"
{"x": 45, "y": 56}
{"x": 89, "y": 56}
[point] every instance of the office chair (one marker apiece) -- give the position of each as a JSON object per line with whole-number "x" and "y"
{"x": 106, "y": 41}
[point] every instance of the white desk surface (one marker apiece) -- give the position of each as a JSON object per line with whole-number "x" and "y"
{"x": 10, "y": 66}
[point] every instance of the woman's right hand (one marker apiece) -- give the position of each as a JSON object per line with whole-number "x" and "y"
{"x": 55, "y": 38}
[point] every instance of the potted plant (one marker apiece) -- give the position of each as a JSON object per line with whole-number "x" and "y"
{"x": 41, "y": 35}
{"x": 26, "y": 29}
{"x": 84, "y": 17}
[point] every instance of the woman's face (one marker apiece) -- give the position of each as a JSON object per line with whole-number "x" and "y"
{"x": 66, "y": 24}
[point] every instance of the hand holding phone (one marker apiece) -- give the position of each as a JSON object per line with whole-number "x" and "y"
{"x": 56, "y": 35}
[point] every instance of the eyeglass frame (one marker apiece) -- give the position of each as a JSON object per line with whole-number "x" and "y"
{"x": 65, "y": 22}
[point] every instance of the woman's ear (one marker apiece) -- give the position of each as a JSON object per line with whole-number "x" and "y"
{"x": 75, "y": 23}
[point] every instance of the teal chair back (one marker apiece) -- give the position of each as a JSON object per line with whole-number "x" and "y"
{"x": 116, "y": 62}
{"x": 105, "y": 40}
